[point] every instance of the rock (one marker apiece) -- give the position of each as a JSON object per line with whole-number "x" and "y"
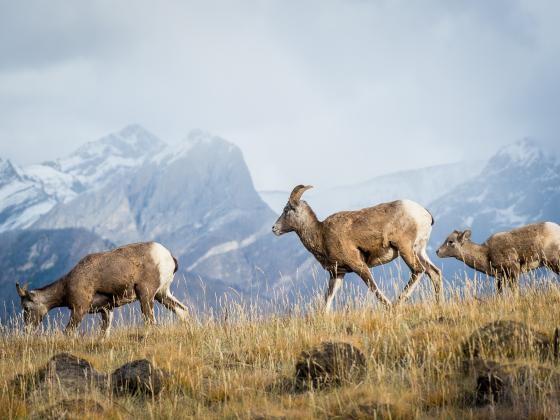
{"x": 506, "y": 339}
{"x": 497, "y": 383}
{"x": 493, "y": 386}
{"x": 71, "y": 409}
{"x": 330, "y": 363}
{"x": 64, "y": 372}
{"x": 138, "y": 377}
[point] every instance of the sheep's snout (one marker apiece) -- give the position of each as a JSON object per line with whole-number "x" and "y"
{"x": 442, "y": 252}
{"x": 276, "y": 230}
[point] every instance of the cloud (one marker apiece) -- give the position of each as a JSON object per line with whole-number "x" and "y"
{"x": 314, "y": 92}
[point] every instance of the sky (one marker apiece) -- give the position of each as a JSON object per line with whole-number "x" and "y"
{"x": 315, "y": 92}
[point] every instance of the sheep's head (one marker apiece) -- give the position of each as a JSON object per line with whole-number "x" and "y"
{"x": 34, "y": 310}
{"x": 295, "y": 213}
{"x": 451, "y": 247}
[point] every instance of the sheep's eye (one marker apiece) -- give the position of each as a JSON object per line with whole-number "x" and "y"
{"x": 450, "y": 243}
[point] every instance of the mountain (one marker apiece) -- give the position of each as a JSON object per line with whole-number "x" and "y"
{"x": 198, "y": 199}
{"x": 22, "y": 200}
{"x": 195, "y": 197}
{"x": 100, "y": 162}
{"x": 519, "y": 185}
{"x": 38, "y": 257}
{"x": 28, "y": 193}
{"x": 196, "y": 189}
{"x": 423, "y": 185}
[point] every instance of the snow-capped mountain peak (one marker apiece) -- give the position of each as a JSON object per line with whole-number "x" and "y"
{"x": 195, "y": 139}
{"x": 9, "y": 172}
{"x": 520, "y": 154}
{"x": 96, "y": 162}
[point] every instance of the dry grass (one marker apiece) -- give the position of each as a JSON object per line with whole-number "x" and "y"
{"x": 242, "y": 367}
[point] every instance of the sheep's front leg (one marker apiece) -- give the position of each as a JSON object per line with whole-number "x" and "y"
{"x": 334, "y": 284}
{"x": 106, "y": 320}
{"x": 362, "y": 270}
{"x": 409, "y": 288}
{"x": 76, "y": 317}
{"x": 499, "y": 285}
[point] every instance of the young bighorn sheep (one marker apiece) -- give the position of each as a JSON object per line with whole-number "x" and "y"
{"x": 354, "y": 241}
{"x": 505, "y": 255}
{"x": 105, "y": 280}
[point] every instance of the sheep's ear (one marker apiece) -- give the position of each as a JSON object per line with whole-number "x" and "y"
{"x": 465, "y": 235}
{"x": 297, "y": 193}
{"x": 21, "y": 291}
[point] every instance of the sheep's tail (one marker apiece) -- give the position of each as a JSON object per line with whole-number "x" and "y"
{"x": 176, "y": 264}
{"x": 432, "y": 216}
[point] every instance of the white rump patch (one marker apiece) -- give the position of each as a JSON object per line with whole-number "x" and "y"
{"x": 163, "y": 259}
{"x": 423, "y": 220}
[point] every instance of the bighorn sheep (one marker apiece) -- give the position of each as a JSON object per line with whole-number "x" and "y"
{"x": 505, "y": 255}
{"x": 105, "y": 280}
{"x": 354, "y": 241}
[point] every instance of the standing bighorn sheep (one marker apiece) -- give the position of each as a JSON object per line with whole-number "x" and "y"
{"x": 105, "y": 280}
{"x": 354, "y": 241}
{"x": 505, "y": 255}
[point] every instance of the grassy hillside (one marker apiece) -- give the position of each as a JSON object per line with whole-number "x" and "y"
{"x": 243, "y": 367}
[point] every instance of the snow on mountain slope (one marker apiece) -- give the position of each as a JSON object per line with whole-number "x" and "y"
{"x": 22, "y": 200}
{"x": 422, "y": 185}
{"x": 201, "y": 183}
{"x": 99, "y": 162}
{"x": 27, "y": 194}
{"x": 59, "y": 185}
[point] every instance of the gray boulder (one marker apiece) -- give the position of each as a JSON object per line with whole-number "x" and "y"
{"x": 330, "y": 363}
{"x": 138, "y": 377}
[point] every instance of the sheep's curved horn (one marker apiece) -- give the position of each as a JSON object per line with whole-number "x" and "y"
{"x": 297, "y": 193}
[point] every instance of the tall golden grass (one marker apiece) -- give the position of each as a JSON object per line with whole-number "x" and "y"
{"x": 240, "y": 366}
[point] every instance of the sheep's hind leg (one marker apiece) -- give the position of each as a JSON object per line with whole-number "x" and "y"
{"x": 106, "y": 320}
{"x": 171, "y": 303}
{"x": 414, "y": 264}
{"x": 334, "y": 284}
{"x": 513, "y": 283}
{"x": 146, "y": 303}
{"x": 554, "y": 266}
{"x": 434, "y": 274}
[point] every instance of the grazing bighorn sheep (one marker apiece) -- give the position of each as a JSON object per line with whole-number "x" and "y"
{"x": 505, "y": 255}
{"x": 105, "y": 280}
{"x": 354, "y": 241}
